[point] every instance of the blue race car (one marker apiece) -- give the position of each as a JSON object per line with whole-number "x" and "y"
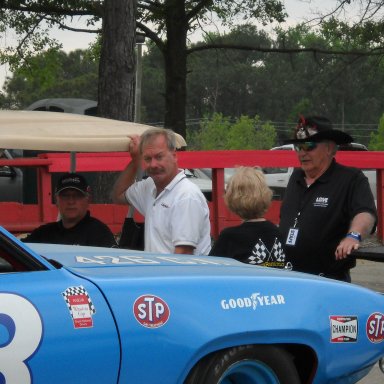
{"x": 72, "y": 314}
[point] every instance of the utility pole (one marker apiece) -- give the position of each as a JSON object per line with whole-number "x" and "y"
{"x": 140, "y": 40}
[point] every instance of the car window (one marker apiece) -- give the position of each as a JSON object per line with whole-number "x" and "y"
{"x": 13, "y": 258}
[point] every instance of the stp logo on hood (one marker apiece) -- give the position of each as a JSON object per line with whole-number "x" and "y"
{"x": 375, "y": 327}
{"x": 151, "y": 311}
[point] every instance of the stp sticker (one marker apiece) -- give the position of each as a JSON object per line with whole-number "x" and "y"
{"x": 151, "y": 311}
{"x": 80, "y": 306}
{"x": 375, "y": 327}
{"x": 344, "y": 329}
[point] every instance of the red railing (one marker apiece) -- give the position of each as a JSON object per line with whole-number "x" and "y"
{"x": 17, "y": 217}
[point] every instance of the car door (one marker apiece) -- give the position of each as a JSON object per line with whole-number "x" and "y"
{"x": 54, "y": 326}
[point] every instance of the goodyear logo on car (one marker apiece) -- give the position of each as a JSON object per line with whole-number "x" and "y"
{"x": 253, "y": 301}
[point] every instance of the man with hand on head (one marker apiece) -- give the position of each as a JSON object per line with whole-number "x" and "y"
{"x": 175, "y": 210}
{"x": 76, "y": 226}
{"x": 328, "y": 208}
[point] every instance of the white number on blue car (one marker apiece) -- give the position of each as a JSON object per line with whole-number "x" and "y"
{"x": 20, "y": 335}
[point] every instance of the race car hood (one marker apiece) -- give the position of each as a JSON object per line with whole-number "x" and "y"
{"x": 113, "y": 262}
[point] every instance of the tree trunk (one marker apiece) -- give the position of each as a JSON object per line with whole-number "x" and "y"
{"x": 176, "y": 66}
{"x": 117, "y": 61}
{"x": 116, "y": 90}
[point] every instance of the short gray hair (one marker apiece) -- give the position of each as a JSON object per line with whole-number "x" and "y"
{"x": 150, "y": 134}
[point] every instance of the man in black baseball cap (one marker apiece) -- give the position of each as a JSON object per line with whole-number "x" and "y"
{"x": 76, "y": 226}
{"x": 328, "y": 208}
{"x": 72, "y": 181}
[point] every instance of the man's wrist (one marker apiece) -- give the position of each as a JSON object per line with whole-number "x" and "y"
{"x": 354, "y": 235}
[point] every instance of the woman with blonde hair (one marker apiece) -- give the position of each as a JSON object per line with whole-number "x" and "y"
{"x": 256, "y": 241}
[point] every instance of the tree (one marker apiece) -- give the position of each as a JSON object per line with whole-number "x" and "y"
{"x": 277, "y": 86}
{"x": 221, "y": 132}
{"x": 377, "y": 139}
{"x": 52, "y": 74}
{"x": 31, "y": 21}
{"x": 165, "y": 22}
{"x": 176, "y": 18}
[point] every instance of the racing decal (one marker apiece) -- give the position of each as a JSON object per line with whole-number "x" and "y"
{"x": 375, "y": 327}
{"x": 20, "y": 338}
{"x": 256, "y": 299}
{"x": 151, "y": 311}
{"x": 80, "y": 306}
{"x": 133, "y": 259}
{"x": 344, "y": 329}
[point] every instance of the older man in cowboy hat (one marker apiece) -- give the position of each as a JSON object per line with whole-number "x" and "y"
{"x": 327, "y": 208}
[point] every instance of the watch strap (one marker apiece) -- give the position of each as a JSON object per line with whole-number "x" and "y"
{"x": 354, "y": 235}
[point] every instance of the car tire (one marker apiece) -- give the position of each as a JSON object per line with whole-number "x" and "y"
{"x": 261, "y": 364}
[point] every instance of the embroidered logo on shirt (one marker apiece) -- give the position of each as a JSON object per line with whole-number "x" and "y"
{"x": 164, "y": 205}
{"x": 321, "y": 202}
{"x": 268, "y": 258}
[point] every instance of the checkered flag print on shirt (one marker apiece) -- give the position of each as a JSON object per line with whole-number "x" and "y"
{"x": 277, "y": 252}
{"x": 261, "y": 254}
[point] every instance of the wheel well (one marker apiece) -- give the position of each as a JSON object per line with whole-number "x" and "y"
{"x": 304, "y": 359}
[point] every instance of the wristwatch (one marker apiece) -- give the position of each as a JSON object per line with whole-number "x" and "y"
{"x": 354, "y": 235}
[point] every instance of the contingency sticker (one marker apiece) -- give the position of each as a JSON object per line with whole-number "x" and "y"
{"x": 80, "y": 306}
{"x": 343, "y": 329}
{"x": 375, "y": 327}
{"x": 151, "y": 311}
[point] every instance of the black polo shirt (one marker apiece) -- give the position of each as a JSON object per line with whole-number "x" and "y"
{"x": 88, "y": 231}
{"x": 323, "y": 212}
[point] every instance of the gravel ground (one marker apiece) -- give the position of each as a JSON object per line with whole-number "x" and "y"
{"x": 370, "y": 273}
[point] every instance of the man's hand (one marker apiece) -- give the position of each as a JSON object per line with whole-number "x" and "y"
{"x": 133, "y": 147}
{"x": 345, "y": 247}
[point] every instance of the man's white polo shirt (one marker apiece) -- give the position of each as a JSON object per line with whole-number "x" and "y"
{"x": 178, "y": 216}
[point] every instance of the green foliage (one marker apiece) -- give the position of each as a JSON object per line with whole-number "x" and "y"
{"x": 219, "y": 133}
{"x": 266, "y": 136}
{"x": 377, "y": 139}
{"x": 242, "y": 134}
{"x": 303, "y": 107}
{"x": 52, "y": 74}
{"x": 213, "y": 132}
{"x": 265, "y": 11}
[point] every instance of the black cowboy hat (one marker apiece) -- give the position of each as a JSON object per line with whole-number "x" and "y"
{"x": 317, "y": 128}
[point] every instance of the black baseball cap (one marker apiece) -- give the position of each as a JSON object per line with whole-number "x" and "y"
{"x": 72, "y": 181}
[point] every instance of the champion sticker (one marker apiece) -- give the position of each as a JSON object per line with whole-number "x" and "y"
{"x": 80, "y": 306}
{"x": 151, "y": 311}
{"x": 344, "y": 329}
{"x": 375, "y": 327}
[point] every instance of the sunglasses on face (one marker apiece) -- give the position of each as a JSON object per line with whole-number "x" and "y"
{"x": 306, "y": 146}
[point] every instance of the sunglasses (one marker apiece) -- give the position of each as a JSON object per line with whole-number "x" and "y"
{"x": 306, "y": 146}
